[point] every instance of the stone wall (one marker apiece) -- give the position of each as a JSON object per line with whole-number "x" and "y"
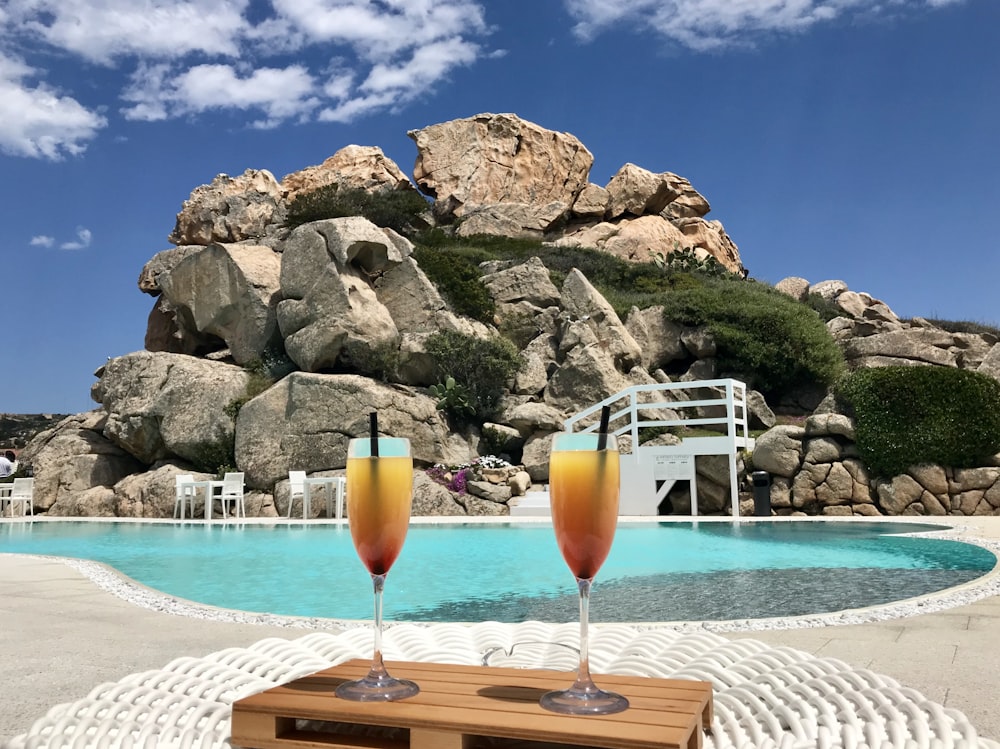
{"x": 815, "y": 470}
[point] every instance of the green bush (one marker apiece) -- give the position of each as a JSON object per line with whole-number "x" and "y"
{"x": 905, "y": 416}
{"x": 215, "y": 457}
{"x": 624, "y": 284}
{"x": 381, "y": 361}
{"x": 456, "y": 276}
{"x": 827, "y": 309}
{"x": 263, "y": 373}
{"x": 762, "y": 335}
{"x": 479, "y": 370}
{"x": 400, "y": 210}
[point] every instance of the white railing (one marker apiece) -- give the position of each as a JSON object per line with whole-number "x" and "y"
{"x": 649, "y": 472}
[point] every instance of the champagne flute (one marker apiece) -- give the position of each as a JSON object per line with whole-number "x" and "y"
{"x": 379, "y": 492}
{"x": 584, "y": 485}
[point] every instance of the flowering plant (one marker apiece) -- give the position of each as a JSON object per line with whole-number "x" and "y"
{"x": 456, "y": 477}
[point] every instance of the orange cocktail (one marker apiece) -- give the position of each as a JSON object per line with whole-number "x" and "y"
{"x": 379, "y": 492}
{"x": 584, "y": 496}
{"x": 583, "y": 489}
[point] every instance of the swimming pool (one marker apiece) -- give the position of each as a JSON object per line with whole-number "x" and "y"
{"x": 511, "y": 572}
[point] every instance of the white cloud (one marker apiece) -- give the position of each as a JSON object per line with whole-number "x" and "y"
{"x": 427, "y": 65}
{"x": 709, "y": 24}
{"x": 184, "y": 58}
{"x": 83, "y": 238}
{"x": 101, "y": 30}
{"x": 42, "y": 241}
{"x": 376, "y": 31}
{"x": 157, "y": 93}
{"x": 37, "y": 120}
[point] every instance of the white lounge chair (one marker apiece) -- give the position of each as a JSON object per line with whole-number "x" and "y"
{"x": 184, "y": 494}
{"x": 232, "y": 491}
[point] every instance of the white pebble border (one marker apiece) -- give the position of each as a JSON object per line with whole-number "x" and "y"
{"x": 113, "y": 582}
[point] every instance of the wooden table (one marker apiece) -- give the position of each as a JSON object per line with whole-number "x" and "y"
{"x": 465, "y": 707}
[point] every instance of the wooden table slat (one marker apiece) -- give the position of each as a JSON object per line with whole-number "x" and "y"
{"x": 465, "y": 702}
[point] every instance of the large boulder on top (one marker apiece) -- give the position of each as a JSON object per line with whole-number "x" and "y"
{"x": 637, "y": 192}
{"x": 510, "y": 168}
{"x": 359, "y": 167}
{"x": 230, "y": 209}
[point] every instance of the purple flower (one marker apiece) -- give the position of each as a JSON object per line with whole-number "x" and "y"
{"x": 457, "y": 484}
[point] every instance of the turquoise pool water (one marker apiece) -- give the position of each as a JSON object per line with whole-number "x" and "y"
{"x": 513, "y": 572}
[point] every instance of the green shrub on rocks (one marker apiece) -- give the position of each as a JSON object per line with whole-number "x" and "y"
{"x": 967, "y": 326}
{"x": 773, "y": 341}
{"x": 478, "y": 371}
{"x": 905, "y": 416}
{"x": 456, "y": 276}
{"x": 400, "y": 210}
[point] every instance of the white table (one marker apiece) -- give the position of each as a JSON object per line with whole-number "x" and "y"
{"x": 333, "y": 488}
{"x": 210, "y": 488}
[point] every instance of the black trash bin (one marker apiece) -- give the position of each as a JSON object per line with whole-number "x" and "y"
{"x": 761, "y": 494}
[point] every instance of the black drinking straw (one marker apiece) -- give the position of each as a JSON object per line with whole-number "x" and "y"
{"x": 602, "y": 435}
{"x": 373, "y": 429}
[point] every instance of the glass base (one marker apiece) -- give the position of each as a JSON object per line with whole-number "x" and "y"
{"x": 382, "y": 689}
{"x": 584, "y": 702}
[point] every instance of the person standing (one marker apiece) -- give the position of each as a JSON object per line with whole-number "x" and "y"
{"x": 7, "y": 467}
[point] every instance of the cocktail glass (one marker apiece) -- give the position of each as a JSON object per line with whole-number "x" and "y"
{"x": 583, "y": 485}
{"x": 379, "y": 492}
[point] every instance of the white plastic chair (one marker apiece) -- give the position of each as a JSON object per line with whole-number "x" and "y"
{"x": 232, "y": 491}
{"x": 184, "y": 494}
{"x": 22, "y": 491}
{"x": 297, "y": 488}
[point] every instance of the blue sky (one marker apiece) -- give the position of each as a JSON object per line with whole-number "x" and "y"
{"x": 847, "y": 139}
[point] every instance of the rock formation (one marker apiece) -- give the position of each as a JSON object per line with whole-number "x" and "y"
{"x": 263, "y": 344}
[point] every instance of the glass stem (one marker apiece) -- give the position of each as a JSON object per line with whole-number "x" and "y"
{"x": 583, "y": 680}
{"x": 378, "y": 667}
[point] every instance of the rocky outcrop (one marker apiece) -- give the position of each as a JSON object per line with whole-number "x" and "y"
{"x": 268, "y": 346}
{"x": 222, "y": 296}
{"x": 330, "y": 310}
{"x": 501, "y": 175}
{"x": 319, "y": 414}
{"x": 160, "y": 406}
{"x": 74, "y": 457}
{"x": 872, "y": 335}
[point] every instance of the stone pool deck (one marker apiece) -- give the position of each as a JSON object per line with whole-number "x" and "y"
{"x": 61, "y": 635}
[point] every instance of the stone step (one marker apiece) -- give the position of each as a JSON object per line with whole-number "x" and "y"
{"x": 532, "y": 503}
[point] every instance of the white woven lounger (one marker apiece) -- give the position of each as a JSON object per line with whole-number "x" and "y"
{"x": 765, "y": 697}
